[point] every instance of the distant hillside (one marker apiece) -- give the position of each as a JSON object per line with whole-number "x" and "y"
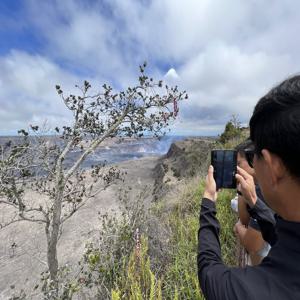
{"x": 184, "y": 159}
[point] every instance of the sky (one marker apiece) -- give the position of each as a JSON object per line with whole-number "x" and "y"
{"x": 225, "y": 54}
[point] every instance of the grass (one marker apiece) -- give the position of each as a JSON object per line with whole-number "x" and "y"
{"x": 179, "y": 278}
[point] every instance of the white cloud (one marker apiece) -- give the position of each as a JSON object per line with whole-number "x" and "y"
{"x": 225, "y": 53}
{"x": 84, "y": 37}
{"x": 224, "y": 75}
{"x": 28, "y": 93}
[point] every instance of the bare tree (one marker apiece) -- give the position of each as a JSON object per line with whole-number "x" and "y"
{"x": 42, "y": 163}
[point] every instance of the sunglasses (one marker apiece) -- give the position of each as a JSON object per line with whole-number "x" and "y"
{"x": 249, "y": 154}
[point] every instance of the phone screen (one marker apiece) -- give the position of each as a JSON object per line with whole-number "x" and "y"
{"x": 224, "y": 163}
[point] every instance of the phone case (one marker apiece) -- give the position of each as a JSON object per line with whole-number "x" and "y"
{"x": 224, "y": 163}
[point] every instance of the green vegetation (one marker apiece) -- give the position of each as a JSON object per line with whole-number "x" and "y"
{"x": 130, "y": 269}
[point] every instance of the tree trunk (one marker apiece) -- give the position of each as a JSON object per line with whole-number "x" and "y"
{"x": 53, "y": 237}
{"x": 53, "y": 263}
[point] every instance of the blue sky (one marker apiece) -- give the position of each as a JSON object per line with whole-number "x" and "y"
{"x": 226, "y": 54}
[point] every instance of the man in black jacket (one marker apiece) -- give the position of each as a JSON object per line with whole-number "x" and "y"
{"x": 275, "y": 132}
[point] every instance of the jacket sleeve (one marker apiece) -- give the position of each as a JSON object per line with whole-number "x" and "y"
{"x": 214, "y": 277}
{"x": 266, "y": 220}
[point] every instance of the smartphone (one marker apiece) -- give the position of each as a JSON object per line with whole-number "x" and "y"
{"x": 225, "y": 164}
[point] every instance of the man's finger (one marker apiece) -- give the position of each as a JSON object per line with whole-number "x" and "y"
{"x": 241, "y": 180}
{"x": 243, "y": 173}
{"x": 239, "y": 187}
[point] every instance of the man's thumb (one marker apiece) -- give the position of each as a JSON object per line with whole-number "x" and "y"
{"x": 210, "y": 172}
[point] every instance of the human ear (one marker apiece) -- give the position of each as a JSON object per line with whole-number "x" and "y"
{"x": 275, "y": 166}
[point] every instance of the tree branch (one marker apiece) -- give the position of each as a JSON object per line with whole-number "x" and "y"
{"x": 94, "y": 145}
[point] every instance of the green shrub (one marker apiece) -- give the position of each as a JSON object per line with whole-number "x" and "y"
{"x": 231, "y": 131}
{"x": 139, "y": 273}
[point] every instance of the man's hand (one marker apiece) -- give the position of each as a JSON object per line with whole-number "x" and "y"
{"x": 210, "y": 191}
{"x": 246, "y": 186}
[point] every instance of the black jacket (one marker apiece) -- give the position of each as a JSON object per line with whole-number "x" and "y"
{"x": 276, "y": 278}
{"x": 266, "y": 220}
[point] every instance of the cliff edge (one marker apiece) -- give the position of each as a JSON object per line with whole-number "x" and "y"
{"x": 184, "y": 159}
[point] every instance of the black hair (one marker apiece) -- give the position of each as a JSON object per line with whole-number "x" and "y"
{"x": 275, "y": 124}
{"x": 245, "y": 145}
